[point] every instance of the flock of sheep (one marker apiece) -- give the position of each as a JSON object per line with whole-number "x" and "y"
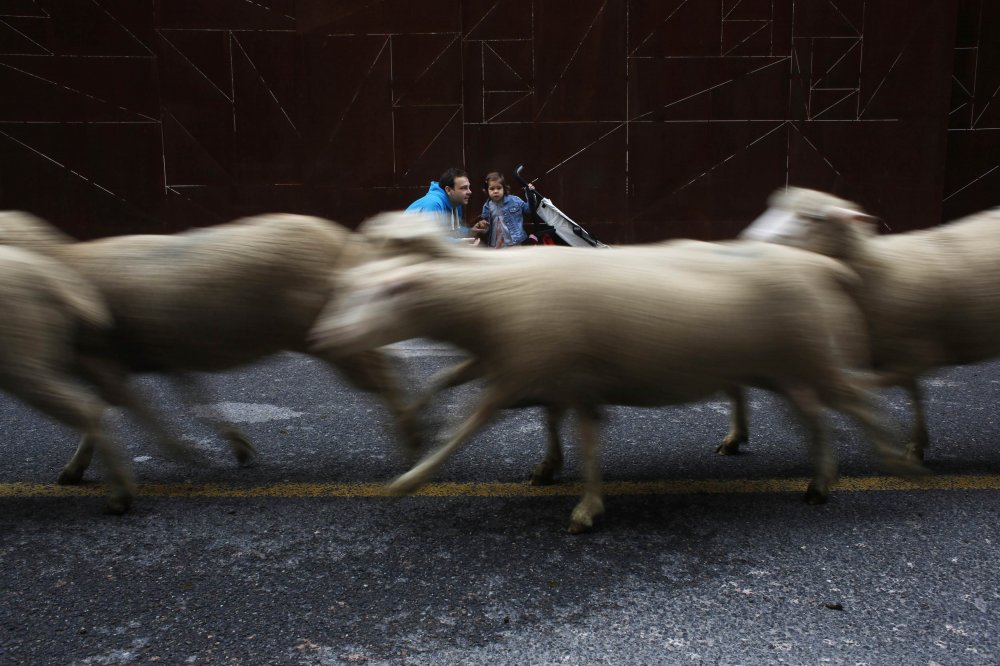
{"x": 809, "y": 303}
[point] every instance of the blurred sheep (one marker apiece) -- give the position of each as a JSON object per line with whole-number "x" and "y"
{"x": 50, "y": 315}
{"x": 641, "y": 326}
{"x": 211, "y": 299}
{"x": 931, "y": 297}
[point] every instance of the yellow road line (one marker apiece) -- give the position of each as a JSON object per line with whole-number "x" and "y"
{"x": 479, "y": 489}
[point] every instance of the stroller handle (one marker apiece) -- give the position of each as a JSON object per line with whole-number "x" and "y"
{"x": 517, "y": 174}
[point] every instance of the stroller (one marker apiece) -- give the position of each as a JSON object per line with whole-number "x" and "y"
{"x": 551, "y": 225}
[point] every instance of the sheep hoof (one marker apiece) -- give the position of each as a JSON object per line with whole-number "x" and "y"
{"x": 243, "y": 450}
{"x": 119, "y": 503}
{"x": 583, "y": 515}
{"x": 404, "y": 485}
{"x": 542, "y": 475}
{"x": 814, "y": 495}
{"x": 908, "y": 467}
{"x": 914, "y": 454}
{"x": 70, "y": 477}
{"x": 730, "y": 446}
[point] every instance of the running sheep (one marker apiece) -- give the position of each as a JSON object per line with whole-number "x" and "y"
{"x": 649, "y": 326}
{"x": 209, "y": 300}
{"x": 51, "y": 315}
{"x": 931, "y": 297}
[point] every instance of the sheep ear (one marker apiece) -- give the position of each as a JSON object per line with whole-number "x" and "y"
{"x": 851, "y": 215}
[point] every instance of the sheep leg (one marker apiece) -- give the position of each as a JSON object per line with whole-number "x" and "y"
{"x": 851, "y": 400}
{"x": 918, "y": 435}
{"x": 544, "y": 472}
{"x": 806, "y": 404}
{"x": 738, "y": 429}
{"x": 74, "y": 406}
{"x": 370, "y": 371}
{"x": 492, "y": 400}
{"x": 111, "y": 382}
{"x": 191, "y": 390}
{"x": 456, "y": 375}
{"x": 591, "y": 505}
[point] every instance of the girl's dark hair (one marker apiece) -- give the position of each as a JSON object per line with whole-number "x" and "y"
{"x": 495, "y": 175}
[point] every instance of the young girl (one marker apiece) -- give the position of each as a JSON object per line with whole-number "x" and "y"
{"x": 503, "y": 212}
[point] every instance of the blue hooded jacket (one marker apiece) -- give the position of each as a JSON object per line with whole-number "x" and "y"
{"x": 436, "y": 201}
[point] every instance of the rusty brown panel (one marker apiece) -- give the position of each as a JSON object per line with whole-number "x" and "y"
{"x": 580, "y": 63}
{"x": 648, "y": 120}
{"x": 675, "y": 28}
{"x": 226, "y": 15}
{"x": 346, "y": 107}
{"x": 383, "y": 17}
{"x": 972, "y": 179}
{"x": 426, "y": 69}
{"x": 114, "y": 28}
{"x": 681, "y": 89}
{"x": 428, "y": 139}
{"x": 57, "y": 89}
{"x": 267, "y": 140}
{"x": 702, "y": 179}
{"x": 196, "y": 108}
{"x": 89, "y": 179}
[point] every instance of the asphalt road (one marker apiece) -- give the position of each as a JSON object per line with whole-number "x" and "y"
{"x": 291, "y": 561}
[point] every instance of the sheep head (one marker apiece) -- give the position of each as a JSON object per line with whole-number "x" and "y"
{"x": 370, "y": 308}
{"x": 27, "y": 231}
{"x": 811, "y": 220}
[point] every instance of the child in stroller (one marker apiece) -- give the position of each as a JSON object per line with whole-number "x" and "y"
{"x": 503, "y": 214}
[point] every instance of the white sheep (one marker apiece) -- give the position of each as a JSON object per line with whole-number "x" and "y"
{"x": 931, "y": 297}
{"x": 211, "y": 299}
{"x": 51, "y": 315}
{"x": 649, "y": 326}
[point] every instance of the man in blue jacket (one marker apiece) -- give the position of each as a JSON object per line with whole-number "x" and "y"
{"x": 446, "y": 197}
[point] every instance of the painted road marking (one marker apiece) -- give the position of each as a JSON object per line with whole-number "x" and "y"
{"x": 480, "y": 489}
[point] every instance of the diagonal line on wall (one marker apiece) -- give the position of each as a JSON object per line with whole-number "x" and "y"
{"x": 516, "y": 101}
{"x": 830, "y": 68}
{"x": 815, "y": 149}
{"x": 44, "y": 14}
{"x": 127, "y": 31}
{"x": 588, "y": 146}
{"x": 571, "y": 58}
{"x": 843, "y": 16}
{"x": 76, "y": 92}
{"x": 63, "y": 166}
{"x": 193, "y": 138}
{"x": 970, "y": 184}
{"x": 506, "y": 64}
{"x": 654, "y": 31}
{"x": 732, "y": 9}
{"x": 440, "y": 131}
{"x": 716, "y": 166}
{"x": 778, "y": 60}
{"x": 817, "y": 115}
{"x": 228, "y": 98}
{"x": 429, "y": 66}
{"x": 485, "y": 16}
{"x": 357, "y": 92}
{"x": 765, "y": 24}
{"x": 266, "y": 86}
{"x": 12, "y": 28}
{"x": 990, "y": 101}
{"x": 266, "y": 8}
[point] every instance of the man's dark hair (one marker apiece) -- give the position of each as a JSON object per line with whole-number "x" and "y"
{"x": 447, "y": 179}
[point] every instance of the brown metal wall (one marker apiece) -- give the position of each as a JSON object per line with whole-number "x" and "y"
{"x": 642, "y": 120}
